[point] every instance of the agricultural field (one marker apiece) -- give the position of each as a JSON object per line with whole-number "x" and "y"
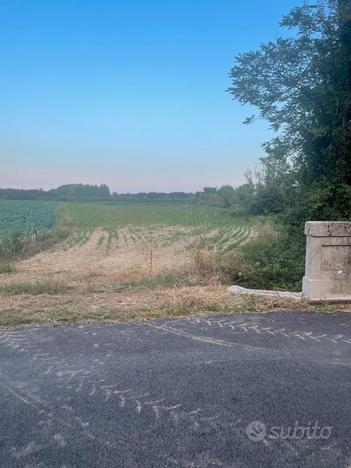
{"x": 20, "y": 216}
{"x": 21, "y": 220}
{"x": 127, "y": 241}
{"x": 113, "y": 216}
{"x": 136, "y": 240}
{"x": 134, "y": 257}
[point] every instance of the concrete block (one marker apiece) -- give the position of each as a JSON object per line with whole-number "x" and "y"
{"x": 328, "y": 261}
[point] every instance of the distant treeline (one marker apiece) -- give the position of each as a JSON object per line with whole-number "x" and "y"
{"x": 250, "y": 198}
{"x": 256, "y": 197}
{"x": 152, "y": 196}
{"x": 64, "y": 192}
{"x": 86, "y": 192}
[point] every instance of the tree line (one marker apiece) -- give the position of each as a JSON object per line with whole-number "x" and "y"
{"x": 255, "y": 197}
{"x": 62, "y": 193}
{"x": 87, "y": 192}
{"x": 251, "y": 198}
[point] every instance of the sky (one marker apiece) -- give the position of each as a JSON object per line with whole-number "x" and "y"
{"x": 129, "y": 93}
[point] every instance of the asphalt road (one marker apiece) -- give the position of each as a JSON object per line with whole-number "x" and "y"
{"x": 268, "y": 390}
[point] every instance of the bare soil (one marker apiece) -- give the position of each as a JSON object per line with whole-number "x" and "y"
{"x": 97, "y": 271}
{"x": 155, "y": 251}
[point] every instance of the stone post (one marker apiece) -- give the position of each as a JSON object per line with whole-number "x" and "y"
{"x": 328, "y": 261}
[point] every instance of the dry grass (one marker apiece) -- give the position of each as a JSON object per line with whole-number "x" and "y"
{"x": 130, "y": 304}
{"x": 33, "y": 288}
{"x": 137, "y": 301}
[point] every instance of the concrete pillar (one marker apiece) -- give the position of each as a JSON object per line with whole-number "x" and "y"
{"x": 328, "y": 261}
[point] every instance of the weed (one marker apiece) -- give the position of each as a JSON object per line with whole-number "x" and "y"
{"x": 166, "y": 280}
{"x": 33, "y": 288}
{"x": 7, "y": 268}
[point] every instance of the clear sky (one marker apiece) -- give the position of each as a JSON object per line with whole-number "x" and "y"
{"x": 129, "y": 93}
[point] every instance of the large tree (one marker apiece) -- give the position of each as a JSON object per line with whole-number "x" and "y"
{"x": 301, "y": 84}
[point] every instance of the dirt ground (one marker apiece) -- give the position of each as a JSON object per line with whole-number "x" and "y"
{"x": 99, "y": 259}
{"x": 103, "y": 277}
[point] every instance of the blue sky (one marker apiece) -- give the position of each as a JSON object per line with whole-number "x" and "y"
{"x": 129, "y": 93}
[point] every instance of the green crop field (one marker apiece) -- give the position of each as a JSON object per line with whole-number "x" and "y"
{"x": 133, "y": 221}
{"x": 20, "y": 220}
{"x": 20, "y": 216}
{"x": 112, "y": 216}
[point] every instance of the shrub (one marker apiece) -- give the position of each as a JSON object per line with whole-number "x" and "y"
{"x": 267, "y": 262}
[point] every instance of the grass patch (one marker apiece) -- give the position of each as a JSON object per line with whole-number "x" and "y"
{"x": 111, "y": 217}
{"x": 272, "y": 260}
{"x": 137, "y": 304}
{"x": 156, "y": 281}
{"x": 168, "y": 280}
{"x": 46, "y": 239}
{"x": 33, "y": 288}
{"x": 325, "y": 307}
{"x": 7, "y": 268}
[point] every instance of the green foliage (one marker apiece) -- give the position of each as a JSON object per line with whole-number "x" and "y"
{"x": 22, "y": 216}
{"x": 238, "y": 200}
{"x": 113, "y": 216}
{"x": 227, "y": 194}
{"x": 269, "y": 263}
{"x": 209, "y": 197}
{"x": 259, "y": 196}
{"x": 87, "y": 192}
{"x": 152, "y": 197}
{"x": 166, "y": 280}
{"x": 6, "y": 268}
{"x": 301, "y": 84}
{"x": 81, "y": 192}
{"x": 20, "y": 221}
{"x": 33, "y": 288}
{"x": 268, "y": 199}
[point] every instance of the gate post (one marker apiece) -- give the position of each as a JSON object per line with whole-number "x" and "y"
{"x": 328, "y": 261}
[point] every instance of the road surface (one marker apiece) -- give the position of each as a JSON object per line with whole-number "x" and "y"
{"x": 249, "y": 390}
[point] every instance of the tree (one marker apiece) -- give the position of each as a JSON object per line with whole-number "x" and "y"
{"x": 301, "y": 84}
{"x": 227, "y": 194}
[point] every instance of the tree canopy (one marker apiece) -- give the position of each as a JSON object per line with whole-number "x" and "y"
{"x": 301, "y": 84}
